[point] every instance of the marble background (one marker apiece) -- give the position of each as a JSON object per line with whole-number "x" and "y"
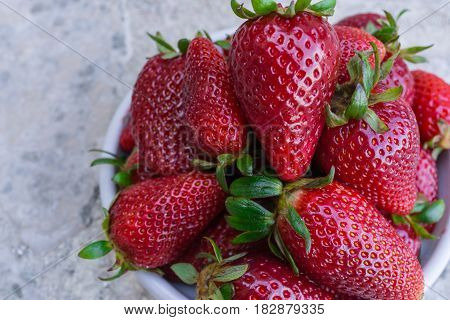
{"x": 65, "y": 65}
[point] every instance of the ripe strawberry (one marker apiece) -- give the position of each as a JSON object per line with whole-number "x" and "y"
{"x": 432, "y": 108}
{"x": 427, "y": 178}
{"x": 256, "y": 276}
{"x": 409, "y": 236}
{"x": 151, "y": 222}
{"x": 284, "y": 66}
{"x": 354, "y": 249}
{"x": 126, "y": 140}
{"x": 352, "y": 40}
{"x": 382, "y": 166}
{"x": 361, "y": 20}
{"x": 334, "y": 234}
{"x": 158, "y": 112}
{"x": 212, "y": 110}
{"x": 385, "y": 29}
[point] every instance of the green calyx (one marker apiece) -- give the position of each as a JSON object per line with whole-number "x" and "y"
{"x": 122, "y": 178}
{"x": 388, "y": 34}
{"x": 265, "y": 7}
{"x": 353, "y": 99}
{"x": 424, "y": 213}
{"x": 256, "y": 222}
{"x": 225, "y": 164}
{"x": 167, "y": 51}
{"x": 441, "y": 141}
{"x": 214, "y": 281}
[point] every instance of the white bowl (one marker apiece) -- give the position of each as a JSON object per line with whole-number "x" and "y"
{"x": 434, "y": 254}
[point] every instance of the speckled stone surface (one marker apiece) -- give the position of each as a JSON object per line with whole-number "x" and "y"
{"x": 55, "y": 105}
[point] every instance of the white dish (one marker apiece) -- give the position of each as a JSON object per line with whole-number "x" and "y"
{"x": 434, "y": 255}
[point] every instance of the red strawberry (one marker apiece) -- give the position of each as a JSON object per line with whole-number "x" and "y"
{"x": 126, "y": 140}
{"x": 354, "y": 249}
{"x": 284, "y": 67}
{"x": 158, "y": 116}
{"x": 256, "y": 276}
{"x": 427, "y": 178}
{"x": 151, "y": 222}
{"x": 352, "y": 40}
{"x": 382, "y": 166}
{"x": 212, "y": 110}
{"x": 385, "y": 29}
{"x": 409, "y": 236}
{"x": 432, "y": 108}
{"x": 361, "y": 20}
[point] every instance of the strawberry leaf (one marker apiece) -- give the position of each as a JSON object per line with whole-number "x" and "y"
{"x": 420, "y": 230}
{"x": 116, "y": 162}
{"x": 334, "y": 120}
{"x": 221, "y": 177}
{"x": 432, "y": 213}
{"x": 358, "y": 104}
{"x": 301, "y": 5}
{"x": 324, "y": 7}
{"x": 183, "y": 45}
{"x": 372, "y": 119}
{"x": 162, "y": 45}
{"x": 224, "y": 44}
{"x": 285, "y": 251}
{"x": 241, "y": 11}
{"x": 245, "y": 164}
{"x": 186, "y": 272}
{"x": 256, "y": 187}
{"x": 216, "y": 249}
{"x": 95, "y": 250}
{"x": 123, "y": 269}
{"x": 235, "y": 257}
{"x": 299, "y": 227}
{"x": 227, "y": 291}
{"x": 231, "y": 273}
{"x": 390, "y": 94}
{"x": 264, "y": 7}
{"x": 122, "y": 179}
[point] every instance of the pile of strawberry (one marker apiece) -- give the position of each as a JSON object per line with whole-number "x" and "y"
{"x": 294, "y": 160}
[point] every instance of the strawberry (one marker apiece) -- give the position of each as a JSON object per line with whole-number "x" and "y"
{"x": 368, "y": 259}
{"x": 212, "y": 110}
{"x": 256, "y": 276}
{"x": 427, "y": 178}
{"x": 432, "y": 108}
{"x": 385, "y": 29}
{"x": 158, "y": 112}
{"x": 352, "y": 40}
{"x": 373, "y": 137}
{"x": 284, "y": 67}
{"x": 382, "y": 166}
{"x": 361, "y": 20}
{"x": 409, "y": 236}
{"x": 151, "y": 222}
{"x": 334, "y": 234}
{"x": 126, "y": 140}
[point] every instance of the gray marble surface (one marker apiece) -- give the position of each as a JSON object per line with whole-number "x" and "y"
{"x": 65, "y": 65}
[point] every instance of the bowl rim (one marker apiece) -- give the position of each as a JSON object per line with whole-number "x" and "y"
{"x": 160, "y": 288}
